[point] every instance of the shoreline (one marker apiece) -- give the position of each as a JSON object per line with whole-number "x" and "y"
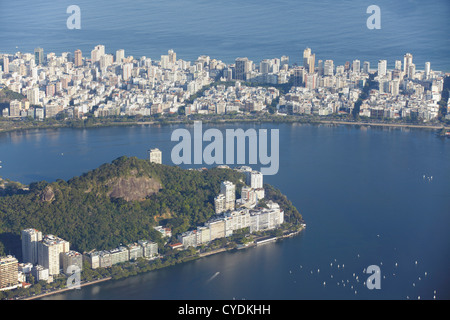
{"x": 201, "y": 255}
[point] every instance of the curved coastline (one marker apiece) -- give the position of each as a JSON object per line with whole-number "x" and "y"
{"x": 232, "y": 121}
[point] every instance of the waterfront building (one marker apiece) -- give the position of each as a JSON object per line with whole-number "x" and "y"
{"x": 407, "y": 61}
{"x": 266, "y": 218}
{"x": 97, "y": 53}
{"x": 309, "y": 60}
{"x": 49, "y": 253}
{"x": 30, "y": 241}
{"x": 120, "y": 55}
{"x": 155, "y": 155}
{"x": 71, "y": 258}
{"x": 228, "y": 189}
{"x": 135, "y": 251}
{"x": 427, "y": 70}
{"x": 15, "y": 106}
{"x": 93, "y": 258}
{"x": 188, "y": 239}
{"x": 242, "y": 67}
{"x": 104, "y": 259}
{"x": 25, "y": 267}
{"x": 356, "y": 66}
{"x": 5, "y": 64}
{"x": 9, "y": 272}
{"x": 328, "y": 68}
{"x": 382, "y": 68}
{"x": 149, "y": 248}
{"x": 264, "y": 66}
{"x": 172, "y": 56}
{"x": 284, "y": 61}
{"x": 203, "y": 235}
{"x": 237, "y": 219}
{"x": 216, "y": 228}
{"x": 41, "y": 273}
{"x": 33, "y": 95}
{"x": 119, "y": 255}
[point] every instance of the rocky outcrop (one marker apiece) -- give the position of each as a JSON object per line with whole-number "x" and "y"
{"x": 133, "y": 188}
{"x": 48, "y": 195}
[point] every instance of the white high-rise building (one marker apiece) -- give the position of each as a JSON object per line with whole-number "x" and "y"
{"x": 228, "y": 189}
{"x": 264, "y": 66}
{"x": 328, "y": 68}
{"x": 394, "y": 87}
{"x": 120, "y": 55}
{"x": 356, "y": 66}
{"x": 411, "y": 70}
{"x": 255, "y": 179}
{"x": 155, "y": 155}
{"x": 407, "y": 61}
{"x": 126, "y": 71}
{"x": 49, "y": 253}
{"x": 165, "y": 62}
{"x": 382, "y": 68}
{"x": 9, "y": 272}
{"x": 105, "y": 61}
{"x": 172, "y": 56}
{"x": 71, "y": 259}
{"x": 427, "y": 70}
{"x": 33, "y": 95}
{"x": 97, "y": 53}
{"x": 30, "y": 240}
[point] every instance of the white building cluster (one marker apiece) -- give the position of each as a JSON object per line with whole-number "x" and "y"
{"x": 232, "y": 215}
{"x": 223, "y": 225}
{"x": 238, "y": 98}
{"x": 103, "y": 84}
{"x": 45, "y": 257}
{"x": 131, "y": 252}
{"x": 115, "y": 84}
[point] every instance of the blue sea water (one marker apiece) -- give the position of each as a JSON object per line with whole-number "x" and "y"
{"x": 225, "y": 30}
{"x": 361, "y": 192}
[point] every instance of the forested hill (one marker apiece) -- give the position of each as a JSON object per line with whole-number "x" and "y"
{"x": 118, "y": 202}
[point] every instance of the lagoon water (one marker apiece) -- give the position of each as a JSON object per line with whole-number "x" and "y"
{"x": 361, "y": 191}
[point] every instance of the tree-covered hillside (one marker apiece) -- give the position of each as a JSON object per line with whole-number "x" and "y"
{"x": 118, "y": 202}
{"x": 91, "y": 212}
